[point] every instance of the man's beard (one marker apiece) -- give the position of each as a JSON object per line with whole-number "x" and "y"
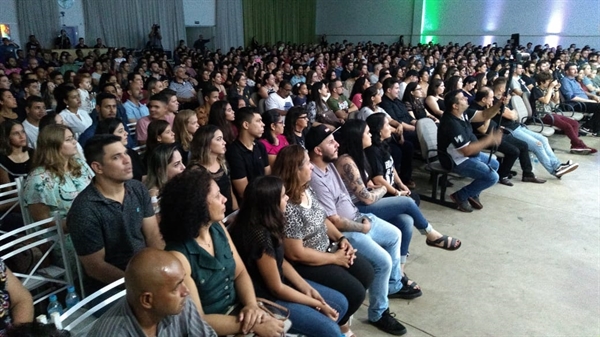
{"x": 329, "y": 158}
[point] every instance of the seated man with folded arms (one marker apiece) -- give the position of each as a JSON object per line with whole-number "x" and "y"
{"x": 460, "y": 151}
{"x": 134, "y": 108}
{"x": 112, "y": 218}
{"x": 156, "y": 302}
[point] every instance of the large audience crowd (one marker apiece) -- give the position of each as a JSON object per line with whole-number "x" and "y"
{"x": 228, "y": 185}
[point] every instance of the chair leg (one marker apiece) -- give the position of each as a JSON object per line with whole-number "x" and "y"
{"x": 434, "y": 188}
{"x": 444, "y": 183}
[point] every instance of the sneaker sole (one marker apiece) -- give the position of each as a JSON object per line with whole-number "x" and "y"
{"x": 582, "y": 152}
{"x": 567, "y": 170}
{"x": 394, "y": 333}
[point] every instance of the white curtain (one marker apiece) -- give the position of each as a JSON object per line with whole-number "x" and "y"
{"x": 230, "y": 24}
{"x": 127, "y": 23}
{"x": 39, "y": 18}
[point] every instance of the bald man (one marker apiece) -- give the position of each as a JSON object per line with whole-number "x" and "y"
{"x": 156, "y": 303}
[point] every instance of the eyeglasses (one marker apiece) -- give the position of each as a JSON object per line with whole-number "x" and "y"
{"x": 303, "y": 117}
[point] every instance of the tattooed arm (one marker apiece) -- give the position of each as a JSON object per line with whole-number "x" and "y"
{"x": 354, "y": 183}
{"x": 347, "y": 225}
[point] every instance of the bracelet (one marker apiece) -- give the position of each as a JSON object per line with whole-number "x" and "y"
{"x": 342, "y": 238}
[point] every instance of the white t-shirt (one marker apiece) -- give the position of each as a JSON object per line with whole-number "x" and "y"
{"x": 274, "y": 101}
{"x": 78, "y": 125}
{"x": 32, "y": 132}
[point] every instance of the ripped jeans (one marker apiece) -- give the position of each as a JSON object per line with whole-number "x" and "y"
{"x": 538, "y": 144}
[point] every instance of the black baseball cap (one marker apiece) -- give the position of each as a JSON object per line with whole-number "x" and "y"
{"x": 316, "y": 135}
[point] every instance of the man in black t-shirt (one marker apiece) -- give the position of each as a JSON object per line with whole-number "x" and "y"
{"x": 459, "y": 149}
{"x": 246, "y": 157}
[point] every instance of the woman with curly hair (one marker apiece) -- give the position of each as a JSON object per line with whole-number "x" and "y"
{"x": 257, "y": 232}
{"x": 191, "y": 210}
{"x": 208, "y": 150}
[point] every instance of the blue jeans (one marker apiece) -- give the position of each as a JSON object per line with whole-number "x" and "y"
{"x": 381, "y": 247}
{"x": 401, "y": 212}
{"x": 484, "y": 175}
{"x": 310, "y": 322}
{"x": 538, "y": 144}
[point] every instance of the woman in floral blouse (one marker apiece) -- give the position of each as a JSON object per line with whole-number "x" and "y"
{"x": 58, "y": 176}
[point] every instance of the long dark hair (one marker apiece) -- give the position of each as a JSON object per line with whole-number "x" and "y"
{"x": 367, "y": 97}
{"x": 351, "y": 135}
{"x": 358, "y": 87}
{"x": 376, "y": 123}
{"x": 217, "y": 117}
{"x": 290, "y": 123}
{"x": 260, "y": 208}
{"x": 155, "y": 129}
{"x": 269, "y": 117}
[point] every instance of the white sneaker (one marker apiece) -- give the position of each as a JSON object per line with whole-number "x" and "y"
{"x": 564, "y": 169}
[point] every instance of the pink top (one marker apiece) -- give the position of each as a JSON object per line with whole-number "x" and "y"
{"x": 274, "y": 149}
{"x": 357, "y": 100}
{"x": 141, "y": 128}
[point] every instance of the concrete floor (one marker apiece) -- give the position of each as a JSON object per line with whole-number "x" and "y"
{"x": 529, "y": 264}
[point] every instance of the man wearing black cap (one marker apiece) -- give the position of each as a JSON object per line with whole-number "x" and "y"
{"x": 377, "y": 239}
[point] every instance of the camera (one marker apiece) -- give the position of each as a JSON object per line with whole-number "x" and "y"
{"x": 156, "y": 26}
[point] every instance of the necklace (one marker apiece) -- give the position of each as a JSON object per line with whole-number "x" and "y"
{"x": 203, "y": 243}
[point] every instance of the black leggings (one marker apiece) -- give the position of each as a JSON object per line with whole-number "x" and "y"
{"x": 352, "y": 282}
{"x": 514, "y": 148}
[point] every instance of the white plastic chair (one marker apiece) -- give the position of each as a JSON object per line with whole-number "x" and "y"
{"x": 537, "y": 126}
{"x": 34, "y": 235}
{"x": 77, "y": 315}
{"x": 131, "y": 127}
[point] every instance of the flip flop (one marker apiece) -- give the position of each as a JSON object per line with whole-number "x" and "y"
{"x": 444, "y": 240}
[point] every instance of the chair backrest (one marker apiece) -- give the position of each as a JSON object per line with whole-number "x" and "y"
{"x": 427, "y": 134}
{"x": 27, "y": 219}
{"x": 140, "y": 149}
{"x": 131, "y": 127}
{"x": 9, "y": 198}
{"x": 40, "y": 234}
{"x": 262, "y": 107}
{"x": 78, "y": 314}
{"x": 519, "y": 106}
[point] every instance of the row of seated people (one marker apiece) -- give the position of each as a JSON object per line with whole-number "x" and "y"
{"x": 242, "y": 173}
{"x": 86, "y": 227}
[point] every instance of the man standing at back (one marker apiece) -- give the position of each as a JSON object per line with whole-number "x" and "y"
{"x": 156, "y": 302}
{"x": 112, "y": 218}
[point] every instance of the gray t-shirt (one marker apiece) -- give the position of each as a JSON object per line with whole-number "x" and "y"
{"x": 120, "y": 321}
{"x": 96, "y": 222}
{"x": 332, "y": 193}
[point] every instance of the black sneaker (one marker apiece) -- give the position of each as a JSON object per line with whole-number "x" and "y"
{"x": 463, "y": 206}
{"x": 389, "y": 324}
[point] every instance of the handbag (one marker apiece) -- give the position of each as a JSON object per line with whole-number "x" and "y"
{"x": 273, "y": 309}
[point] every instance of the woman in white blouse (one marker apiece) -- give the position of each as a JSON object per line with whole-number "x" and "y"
{"x": 72, "y": 114}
